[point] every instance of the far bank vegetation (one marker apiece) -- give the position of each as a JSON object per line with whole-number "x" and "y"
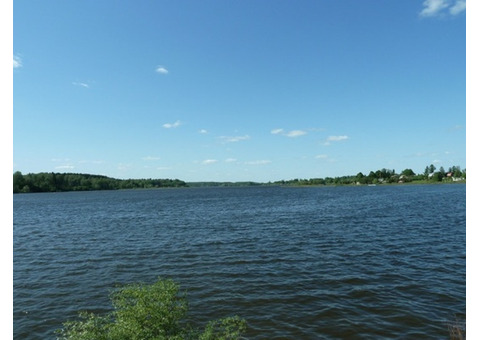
{"x": 55, "y": 182}
{"x": 52, "y": 182}
{"x": 387, "y": 176}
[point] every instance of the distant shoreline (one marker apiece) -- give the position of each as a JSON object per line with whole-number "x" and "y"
{"x": 67, "y": 182}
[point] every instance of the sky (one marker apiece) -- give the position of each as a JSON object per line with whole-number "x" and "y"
{"x": 238, "y": 90}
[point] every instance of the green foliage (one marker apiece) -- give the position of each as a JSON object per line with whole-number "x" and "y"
{"x": 223, "y": 184}
{"x": 408, "y": 172}
{"x": 224, "y": 329}
{"x": 90, "y": 327}
{"x": 51, "y": 182}
{"x": 382, "y": 176}
{"x": 144, "y": 312}
{"x": 437, "y": 176}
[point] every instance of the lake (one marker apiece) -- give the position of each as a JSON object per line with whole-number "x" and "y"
{"x": 297, "y": 263}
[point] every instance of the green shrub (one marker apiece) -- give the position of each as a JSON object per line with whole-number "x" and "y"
{"x": 142, "y": 311}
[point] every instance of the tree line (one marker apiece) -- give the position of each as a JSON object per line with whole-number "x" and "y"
{"x": 53, "y": 182}
{"x": 384, "y": 176}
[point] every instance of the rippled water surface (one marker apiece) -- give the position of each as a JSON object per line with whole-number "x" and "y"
{"x": 296, "y": 263}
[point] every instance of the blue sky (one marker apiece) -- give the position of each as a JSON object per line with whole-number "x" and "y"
{"x": 238, "y": 90}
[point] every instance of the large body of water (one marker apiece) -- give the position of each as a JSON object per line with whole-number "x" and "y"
{"x": 296, "y": 263}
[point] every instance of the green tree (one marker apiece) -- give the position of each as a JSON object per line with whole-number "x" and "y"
{"x": 18, "y": 181}
{"x": 437, "y": 176}
{"x": 456, "y": 171}
{"x": 144, "y": 312}
{"x": 408, "y": 172}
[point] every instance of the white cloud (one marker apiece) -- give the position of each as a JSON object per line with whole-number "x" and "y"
{"x": 151, "y": 158}
{"x": 17, "y": 62}
{"x": 292, "y": 134}
{"x": 203, "y": 131}
{"x": 321, "y": 156}
{"x": 259, "y": 162}
{"x": 161, "y": 70}
{"x": 230, "y": 160}
{"x": 433, "y": 8}
{"x": 172, "y": 125}
{"x": 65, "y": 167}
{"x": 458, "y": 7}
{"x": 234, "y": 139}
{"x": 295, "y": 133}
{"x": 336, "y": 138}
{"x": 81, "y": 84}
{"x": 209, "y": 161}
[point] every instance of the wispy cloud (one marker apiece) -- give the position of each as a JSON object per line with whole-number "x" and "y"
{"x": 259, "y": 162}
{"x": 230, "y": 160}
{"x": 209, "y": 161}
{"x": 295, "y": 133}
{"x": 458, "y": 7}
{"x": 276, "y": 131}
{"x": 81, "y": 84}
{"x": 433, "y": 8}
{"x": 336, "y": 138}
{"x": 203, "y": 131}
{"x": 151, "y": 158}
{"x": 172, "y": 125}
{"x": 291, "y": 134}
{"x": 65, "y": 167}
{"x": 331, "y": 139}
{"x": 161, "y": 70}
{"x": 234, "y": 139}
{"x": 321, "y": 156}
{"x": 17, "y": 62}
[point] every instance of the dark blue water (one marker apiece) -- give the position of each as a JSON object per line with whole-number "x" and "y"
{"x": 296, "y": 263}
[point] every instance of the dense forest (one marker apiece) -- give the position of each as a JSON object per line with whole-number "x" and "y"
{"x": 51, "y": 182}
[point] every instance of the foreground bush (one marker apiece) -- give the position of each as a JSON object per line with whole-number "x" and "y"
{"x": 147, "y": 312}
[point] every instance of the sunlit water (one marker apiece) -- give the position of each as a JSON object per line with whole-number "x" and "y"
{"x": 296, "y": 263}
